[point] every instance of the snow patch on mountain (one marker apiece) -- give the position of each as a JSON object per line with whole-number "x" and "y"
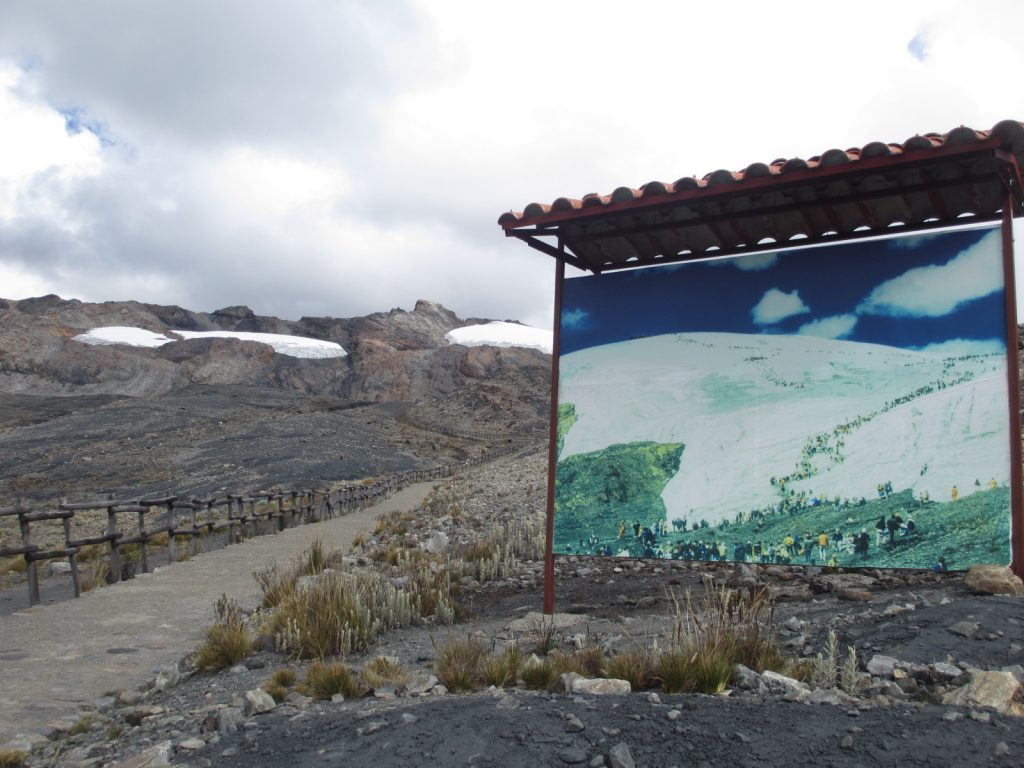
{"x": 501, "y": 334}
{"x": 747, "y": 408}
{"x": 293, "y": 346}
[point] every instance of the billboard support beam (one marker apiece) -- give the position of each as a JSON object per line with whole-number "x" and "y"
{"x": 549, "y": 525}
{"x": 1013, "y": 378}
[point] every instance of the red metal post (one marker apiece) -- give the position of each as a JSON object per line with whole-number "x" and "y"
{"x": 1013, "y": 378}
{"x": 549, "y": 531}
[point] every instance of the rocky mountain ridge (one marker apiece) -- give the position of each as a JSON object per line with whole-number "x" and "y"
{"x": 397, "y": 355}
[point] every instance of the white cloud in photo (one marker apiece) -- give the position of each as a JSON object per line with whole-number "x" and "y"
{"x": 965, "y": 347}
{"x": 576, "y": 319}
{"x": 756, "y": 262}
{"x": 835, "y": 327}
{"x": 777, "y": 305}
{"x": 340, "y": 158}
{"x": 937, "y": 290}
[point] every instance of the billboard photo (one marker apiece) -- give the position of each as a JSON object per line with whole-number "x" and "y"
{"x": 843, "y": 405}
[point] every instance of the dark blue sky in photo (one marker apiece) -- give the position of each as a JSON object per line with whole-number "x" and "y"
{"x": 953, "y": 291}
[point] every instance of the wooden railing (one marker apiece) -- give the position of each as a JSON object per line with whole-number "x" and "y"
{"x": 189, "y": 517}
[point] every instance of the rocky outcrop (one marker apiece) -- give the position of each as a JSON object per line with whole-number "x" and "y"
{"x": 393, "y": 356}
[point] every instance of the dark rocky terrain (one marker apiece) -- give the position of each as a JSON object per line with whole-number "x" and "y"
{"x": 206, "y": 414}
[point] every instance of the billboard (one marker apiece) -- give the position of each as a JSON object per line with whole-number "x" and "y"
{"x": 842, "y": 405}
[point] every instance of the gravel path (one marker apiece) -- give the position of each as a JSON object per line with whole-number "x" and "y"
{"x": 56, "y": 657}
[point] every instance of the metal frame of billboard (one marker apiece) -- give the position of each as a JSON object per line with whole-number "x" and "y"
{"x": 929, "y": 182}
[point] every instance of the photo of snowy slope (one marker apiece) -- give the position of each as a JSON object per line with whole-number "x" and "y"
{"x": 843, "y": 405}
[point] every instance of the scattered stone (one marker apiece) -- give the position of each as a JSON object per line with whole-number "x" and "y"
{"x": 946, "y": 672}
{"x": 572, "y": 756}
{"x": 953, "y": 716}
{"x": 420, "y": 683}
{"x": 744, "y": 678}
{"x": 157, "y": 756}
{"x": 58, "y": 569}
{"x": 653, "y": 698}
{"x": 779, "y": 685}
{"x": 855, "y": 595}
{"x": 966, "y": 629}
{"x": 255, "y": 662}
{"x": 564, "y": 682}
{"x": 408, "y": 718}
{"x": 981, "y": 717}
{"x": 619, "y": 756}
{"x": 674, "y": 714}
{"x": 374, "y": 726}
{"x": 602, "y": 687}
{"x": 574, "y": 725}
{"x": 881, "y": 665}
{"x": 138, "y": 714}
{"x": 846, "y": 742}
{"x": 992, "y": 690}
{"x": 229, "y": 719}
{"x": 168, "y": 677}
{"x": 128, "y": 698}
{"x": 296, "y": 699}
{"x": 191, "y": 744}
{"x": 993, "y": 580}
{"x": 436, "y": 542}
{"x": 258, "y": 701}
{"x": 1001, "y": 749}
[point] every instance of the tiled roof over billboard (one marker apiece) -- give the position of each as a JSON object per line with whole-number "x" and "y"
{"x": 927, "y": 180}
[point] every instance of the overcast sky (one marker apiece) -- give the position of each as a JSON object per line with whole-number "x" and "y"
{"x": 339, "y": 158}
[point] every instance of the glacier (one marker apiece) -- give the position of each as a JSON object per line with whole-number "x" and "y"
{"x": 767, "y": 415}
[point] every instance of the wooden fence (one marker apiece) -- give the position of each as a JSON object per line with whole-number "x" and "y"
{"x": 176, "y": 517}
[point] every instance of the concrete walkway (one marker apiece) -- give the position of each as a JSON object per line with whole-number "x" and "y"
{"x": 55, "y": 657}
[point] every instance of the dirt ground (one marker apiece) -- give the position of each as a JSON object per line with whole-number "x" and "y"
{"x": 910, "y": 620}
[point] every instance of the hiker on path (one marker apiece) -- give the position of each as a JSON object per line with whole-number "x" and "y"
{"x": 954, "y": 494}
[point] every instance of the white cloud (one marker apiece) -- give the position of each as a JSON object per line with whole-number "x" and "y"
{"x": 340, "y": 158}
{"x": 756, "y": 262}
{"x": 937, "y": 290}
{"x": 965, "y": 347}
{"x": 575, "y": 318}
{"x": 835, "y": 327}
{"x": 777, "y": 305}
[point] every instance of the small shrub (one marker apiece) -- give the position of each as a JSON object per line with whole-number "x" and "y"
{"x": 12, "y": 758}
{"x": 13, "y": 565}
{"x": 114, "y": 731}
{"x": 284, "y": 676}
{"x": 96, "y": 575}
{"x": 458, "y": 664}
{"x": 712, "y": 673}
{"x": 277, "y": 692}
{"x": 543, "y": 631}
{"x": 501, "y": 669}
{"x": 383, "y": 671}
{"x": 635, "y": 665}
{"x": 593, "y": 661}
{"x": 826, "y": 666}
{"x": 849, "y": 674}
{"x": 540, "y": 675}
{"x": 324, "y": 680}
{"x": 81, "y": 725}
{"x": 228, "y": 641}
{"x": 674, "y": 669}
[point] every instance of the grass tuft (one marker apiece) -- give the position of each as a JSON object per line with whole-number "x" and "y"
{"x": 383, "y": 671}
{"x": 228, "y": 641}
{"x": 326, "y": 679}
{"x": 635, "y": 665}
{"x": 458, "y": 664}
{"x": 12, "y": 758}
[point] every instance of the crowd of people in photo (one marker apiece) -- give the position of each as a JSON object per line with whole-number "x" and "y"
{"x": 852, "y": 542}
